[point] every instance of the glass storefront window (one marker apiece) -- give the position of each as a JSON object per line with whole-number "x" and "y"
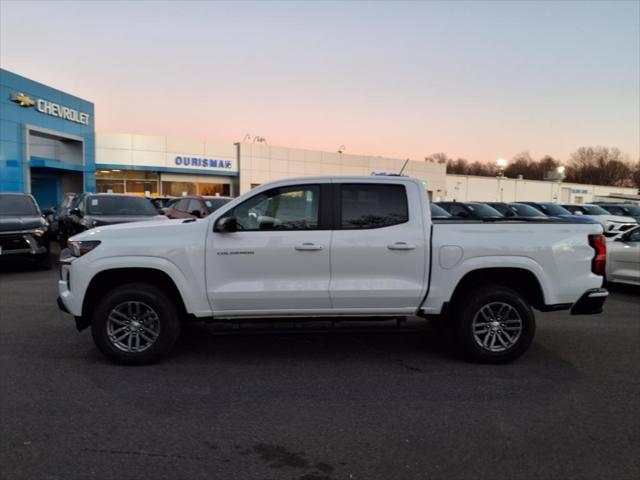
{"x": 178, "y": 189}
{"x": 127, "y": 181}
{"x": 213, "y": 189}
{"x": 149, "y": 183}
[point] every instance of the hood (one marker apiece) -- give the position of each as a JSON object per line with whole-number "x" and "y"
{"x": 13, "y": 224}
{"x": 135, "y": 229}
{"x": 99, "y": 220}
{"x": 617, "y": 219}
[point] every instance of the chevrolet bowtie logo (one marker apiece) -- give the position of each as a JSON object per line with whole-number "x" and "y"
{"x": 23, "y": 100}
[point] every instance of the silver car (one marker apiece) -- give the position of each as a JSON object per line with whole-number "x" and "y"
{"x": 623, "y": 258}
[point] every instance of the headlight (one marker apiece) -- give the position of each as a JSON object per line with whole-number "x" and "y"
{"x": 78, "y": 248}
{"x": 38, "y": 232}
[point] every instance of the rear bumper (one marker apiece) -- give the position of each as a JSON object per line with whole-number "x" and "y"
{"x": 590, "y": 302}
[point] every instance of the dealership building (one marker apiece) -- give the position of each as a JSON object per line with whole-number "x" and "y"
{"x": 48, "y": 146}
{"x": 47, "y": 140}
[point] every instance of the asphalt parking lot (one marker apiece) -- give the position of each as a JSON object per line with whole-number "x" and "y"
{"x": 316, "y": 406}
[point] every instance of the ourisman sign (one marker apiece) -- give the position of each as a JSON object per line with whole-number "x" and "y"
{"x": 50, "y": 108}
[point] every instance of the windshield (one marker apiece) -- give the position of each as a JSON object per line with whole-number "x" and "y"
{"x": 215, "y": 203}
{"x": 594, "y": 210}
{"x": 438, "y": 212}
{"x": 553, "y": 209}
{"x": 523, "y": 210}
{"x": 17, "y": 205}
{"x": 482, "y": 210}
{"x": 116, "y": 205}
{"x": 633, "y": 210}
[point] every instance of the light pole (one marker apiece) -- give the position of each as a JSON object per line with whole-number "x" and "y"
{"x": 501, "y": 163}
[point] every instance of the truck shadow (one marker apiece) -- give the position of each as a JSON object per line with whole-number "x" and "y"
{"x": 420, "y": 349}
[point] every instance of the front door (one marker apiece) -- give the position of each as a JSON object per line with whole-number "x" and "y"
{"x": 378, "y": 251}
{"x": 278, "y": 260}
{"x": 45, "y": 189}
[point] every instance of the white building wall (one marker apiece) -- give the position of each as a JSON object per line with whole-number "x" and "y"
{"x": 467, "y": 188}
{"x": 262, "y": 163}
{"x": 130, "y": 150}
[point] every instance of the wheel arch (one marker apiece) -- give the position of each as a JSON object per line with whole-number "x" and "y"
{"x": 521, "y": 280}
{"x": 108, "y": 279}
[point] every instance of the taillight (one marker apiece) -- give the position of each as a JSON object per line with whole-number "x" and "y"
{"x": 599, "y": 262}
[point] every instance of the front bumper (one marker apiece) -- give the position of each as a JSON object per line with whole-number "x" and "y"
{"x": 590, "y": 302}
{"x": 23, "y": 243}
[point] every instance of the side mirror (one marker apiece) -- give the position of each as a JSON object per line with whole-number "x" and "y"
{"x": 464, "y": 214}
{"x": 196, "y": 213}
{"x": 226, "y": 225}
{"x": 161, "y": 211}
{"x": 578, "y": 212}
{"x": 47, "y": 211}
{"x": 75, "y": 211}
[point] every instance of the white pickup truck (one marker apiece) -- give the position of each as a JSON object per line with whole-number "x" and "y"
{"x": 356, "y": 247}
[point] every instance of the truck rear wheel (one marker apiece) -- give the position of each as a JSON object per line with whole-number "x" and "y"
{"x": 495, "y": 325}
{"x": 135, "y": 324}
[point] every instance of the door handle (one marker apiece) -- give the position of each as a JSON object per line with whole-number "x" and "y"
{"x": 401, "y": 246}
{"x": 308, "y": 247}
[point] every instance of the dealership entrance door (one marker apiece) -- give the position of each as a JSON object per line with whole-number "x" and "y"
{"x": 56, "y": 164}
{"x": 48, "y": 185}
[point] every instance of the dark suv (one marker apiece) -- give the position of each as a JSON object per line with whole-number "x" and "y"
{"x": 195, "y": 206}
{"x": 23, "y": 231}
{"x": 91, "y": 210}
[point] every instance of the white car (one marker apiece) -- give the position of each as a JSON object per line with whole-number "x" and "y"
{"x": 613, "y": 224}
{"x": 623, "y": 258}
{"x": 350, "y": 247}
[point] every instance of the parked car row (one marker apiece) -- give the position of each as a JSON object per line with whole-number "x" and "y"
{"x": 79, "y": 212}
{"x": 612, "y": 224}
{"x": 26, "y": 231}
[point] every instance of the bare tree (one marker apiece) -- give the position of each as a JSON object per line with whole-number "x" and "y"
{"x": 458, "y": 167}
{"x": 438, "y": 158}
{"x": 599, "y": 166}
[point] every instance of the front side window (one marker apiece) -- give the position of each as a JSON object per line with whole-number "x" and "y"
{"x": 372, "y": 206}
{"x": 289, "y": 208}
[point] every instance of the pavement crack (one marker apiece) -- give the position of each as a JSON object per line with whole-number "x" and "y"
{"x": 143, "y": 453}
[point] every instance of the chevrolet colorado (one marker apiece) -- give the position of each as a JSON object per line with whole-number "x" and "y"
{"x": 356, "y": 247}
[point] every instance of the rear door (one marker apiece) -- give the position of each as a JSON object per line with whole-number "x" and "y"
{"x": 278, "y": 260}
{"x": 378, "y": 251}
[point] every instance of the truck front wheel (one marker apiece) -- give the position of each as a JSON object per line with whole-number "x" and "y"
{"x": 495, "y": 325}
{"x": 135, "y": 324}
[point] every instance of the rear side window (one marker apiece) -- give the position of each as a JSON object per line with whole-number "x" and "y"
{"x": 372, "y": 206}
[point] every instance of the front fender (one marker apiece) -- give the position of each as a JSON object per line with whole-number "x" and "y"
{"x": 190, "y": 287}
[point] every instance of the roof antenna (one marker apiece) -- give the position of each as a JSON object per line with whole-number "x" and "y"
{"x": 403, "y": 166}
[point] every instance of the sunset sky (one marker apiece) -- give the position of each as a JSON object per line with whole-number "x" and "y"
{"x": 478, "y": 80}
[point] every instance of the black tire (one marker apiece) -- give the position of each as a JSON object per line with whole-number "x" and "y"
{"x": 508, "y": 320}
{"x": 166, "y": 321}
